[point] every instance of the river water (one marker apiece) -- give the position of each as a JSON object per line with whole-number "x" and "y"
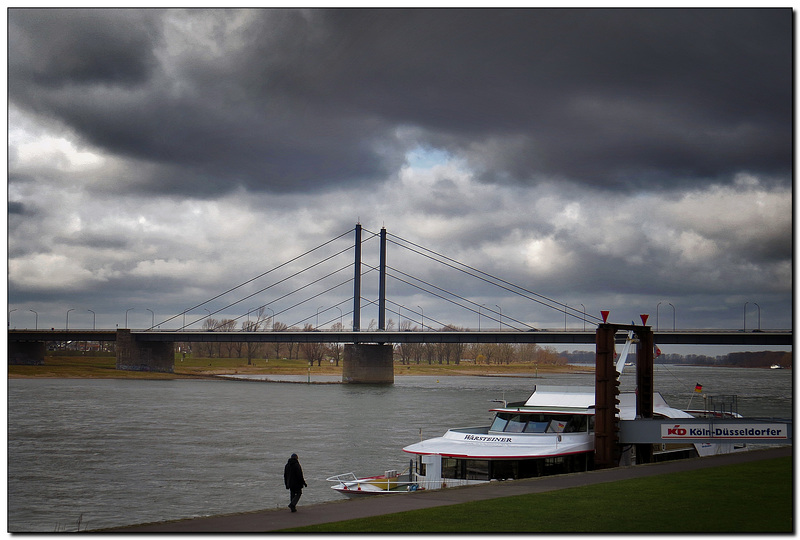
{"x": 88, "y": 454}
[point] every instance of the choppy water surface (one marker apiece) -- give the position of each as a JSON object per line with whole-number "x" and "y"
{"x": 114, "y": 452}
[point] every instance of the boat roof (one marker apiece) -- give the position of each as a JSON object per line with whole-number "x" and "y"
{"x": 581, "y": 397}
{"x": 557, "y": 399}
{"x": 580, "y": 400}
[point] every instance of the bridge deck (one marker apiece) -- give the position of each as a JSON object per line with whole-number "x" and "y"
{"x": 687, "y": 337}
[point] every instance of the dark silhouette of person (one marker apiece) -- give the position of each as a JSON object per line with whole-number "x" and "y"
{"x": 294, "y": 481}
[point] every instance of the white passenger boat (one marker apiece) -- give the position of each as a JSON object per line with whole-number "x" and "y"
{"x": 552, "y": 432}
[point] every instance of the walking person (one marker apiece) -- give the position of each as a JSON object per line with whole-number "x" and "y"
{"x": 294, "y": 481}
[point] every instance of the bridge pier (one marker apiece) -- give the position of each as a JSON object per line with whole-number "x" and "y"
{"x": 135, "y": 355}
{"x": 368, "y": 364}
{"x": 26, "y": 353}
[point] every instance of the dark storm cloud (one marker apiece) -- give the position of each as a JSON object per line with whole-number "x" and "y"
{"x": 305, "y": 100}
{"x": 56, "y": 47}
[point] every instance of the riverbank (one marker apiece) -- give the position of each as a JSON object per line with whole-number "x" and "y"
{"x": 669, "y": 509}
{"x": 104, "y": 367}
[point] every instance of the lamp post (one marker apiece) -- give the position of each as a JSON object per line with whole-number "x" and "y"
{"x": 317, "y": 325}
{"x": 126, "y": 316}
{"x": 422, "y": 311}
{"x": 501, "y": 316}
{"x": 673, "y": 316}
{"x": 36, "y": 327}
{"x": 479, "y": 317}
{"x": 71, "y": 309}
{"x": 94, "y": 319}
{"x": 657, "y": 315}
{"x": 152, "y": 317}
{"x": 744, "y": 318}
{"x": 9, "y": 316}
{"x": 759, "y": 316}
{"x": 273, "y": 317}
{"x": 584, "y": 317}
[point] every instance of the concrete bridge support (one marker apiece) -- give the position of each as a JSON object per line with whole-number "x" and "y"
{"x": 368, "y": 364}
{"x": 134, "y": 355}
{"x": 26, "y": 353}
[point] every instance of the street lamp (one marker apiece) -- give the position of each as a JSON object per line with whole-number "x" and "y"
{"x": 744, "y": 317}
{"x": 9, "y": 316}
{"x": 317, "y": 325}
{"x": 152, "y": 317}
{"x": 657, "y": 315}
{"x": 37, "y": 320}
{"x": 673, "y": 316}
{"x": 501, "y": 316}
{"x": 422, "y": 311}
{"x": 584, "y": 317}
{"x": 479, "y": 317}
{"x": 759, "y": 316}
{"x": 340, "y": 317}
{"x": 94, "y": 319}
{"x": 126, "y": 316}
{"x": 273, "y": 317}
{"x": 72, "y": 309}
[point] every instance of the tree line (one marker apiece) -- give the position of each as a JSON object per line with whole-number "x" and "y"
{"x": 758, "y": 359}
{"x": 405, "y": 353}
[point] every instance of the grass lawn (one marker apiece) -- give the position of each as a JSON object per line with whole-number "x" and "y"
{"x": 748, "y": 498}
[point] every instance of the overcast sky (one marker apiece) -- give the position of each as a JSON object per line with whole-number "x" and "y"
{"x": 607, "y": 159}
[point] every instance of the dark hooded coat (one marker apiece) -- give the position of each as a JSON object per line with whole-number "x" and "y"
{"x": 293, "y": 475}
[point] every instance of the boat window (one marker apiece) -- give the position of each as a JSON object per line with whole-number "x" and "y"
{"x": 499, "y": 423}
{"x": 536, "y": 427}
{"x": 577, "y": 423}
{"x": 476, "y": 469}
{"x": 469, "y": 469}
{"x": 450, "y": 468}
{"x": 542, "y": 423}
{"x": 515, "y": 424}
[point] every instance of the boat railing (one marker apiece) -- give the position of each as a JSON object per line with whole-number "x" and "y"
{"x": 351, "y": 482}
{"x": 346, "y": 477}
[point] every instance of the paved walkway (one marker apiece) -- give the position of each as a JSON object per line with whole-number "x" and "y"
{"x": 277, "y": 519}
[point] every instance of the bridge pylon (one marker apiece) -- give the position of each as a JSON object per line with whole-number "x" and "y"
{"x": 133, "y": 355}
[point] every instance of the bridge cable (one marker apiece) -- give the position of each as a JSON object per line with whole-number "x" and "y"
{"x": 580, "y": 315}
{"x": 507, "y": 317}
{"x": 252, "y": 279}
{"x": 454, "y": 302}
{"x": 287, "y": 294}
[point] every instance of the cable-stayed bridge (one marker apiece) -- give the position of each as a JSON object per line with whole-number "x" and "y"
{"x": 335, "y": 277}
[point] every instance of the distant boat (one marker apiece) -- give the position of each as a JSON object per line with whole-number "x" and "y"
{"x": 775, "y": 366}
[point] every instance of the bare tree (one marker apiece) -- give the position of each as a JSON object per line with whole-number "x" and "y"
{"x": 279, "y": 327}
{"x": 335, "y": 350}
{"x": 314, "y": 352}
{"x": 206, "y": 349}
{"x": 505, "y": 353}
{"x": 231, "y": 349}
{"x": 253, "y": 349}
